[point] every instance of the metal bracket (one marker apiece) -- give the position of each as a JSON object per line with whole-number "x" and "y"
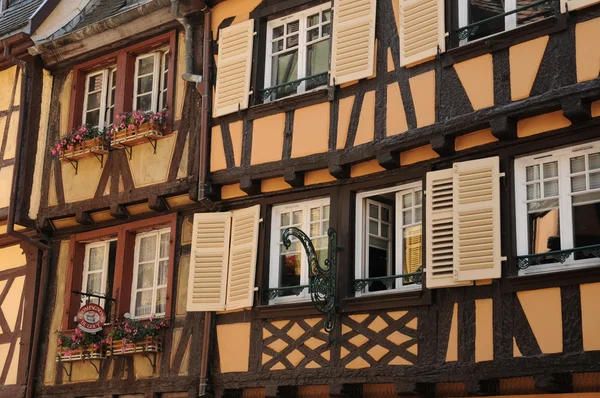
{"x": 94, "y": 365}
{"x": 75, "y": 164}
{"x": 100, "y": 158}
{"x": 152, "y": 142}
{"x": 128, "y": 149}
{"x": 152, "y": 363}
{"x": 68, "y": 372}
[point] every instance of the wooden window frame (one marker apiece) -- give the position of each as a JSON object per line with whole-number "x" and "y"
{"x": 124, "y": 264}
{"x": 125, "y": 61}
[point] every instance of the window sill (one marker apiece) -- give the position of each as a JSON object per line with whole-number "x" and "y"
{"x": 555, "y": 278}
{"x": 375, "y": 301}
{"x": 504, "y": 39}
{"x": 290, "y": 103}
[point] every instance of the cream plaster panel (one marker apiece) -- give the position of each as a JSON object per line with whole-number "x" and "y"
{"x": 81, "y": 186}
{"x": 544, "y": 313}
{"x": 396, "y": 117}
{"x": 587, "y": 49}
{"x": 366, "y": 124}
{"x": 590, "y": 317}
{"x": 344, "y": 113}
{"x": 182, "y": 285}
{"x": 474, "y": 139}
{"x": 477, "y": 78}
{"x": 311, "y": 130}
{"x": 418, "y": 155}
{"x": 422, "y": 88}
{"x": 317, "y": 177}
{"x": 10, "y": 307}
{"x": 6, "y": 174}
{"x": 273, "y": 185}
{"x": 365, "y": 168}
{"x": 525, "y": 60}
{"x": 64, "y": 100}
{"x": 36, "y": 192}
{"x": 12, "y": 257}
{"x": 239, "y": 8}
{"x": 61, "y": 270}
{"x": 234, "y": 347}
{"x": 11, "y": 135}
{"x": 452, "y": 351}
{"x": 52, "y": 198}
{"x": 7, "y": 80}
{"x": 267, "y": 139}
{"x": 217, "y": 150}
{"x": 542, "y": 123}
{"x": 143, "y": 155}
{"x": 62, "y": 14}
{"x": 484, "y": 330}
{"x": 181, "y": 85}
{"x": 182, "y": 172}
{"x": 11, "y": 377}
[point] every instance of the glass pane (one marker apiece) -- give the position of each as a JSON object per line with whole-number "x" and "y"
{"x": 542, "y": 205}
{"x": 96, "y": 258}
{"x": 550, "y": 169}
{"x": 163, "y": 272}
{"x": 285, "y": 219}
{"x": 586, "y": 226}
{"x": 326, "y": 15}
{"x": 373, "y": 211}
{"x": 325, "y": 227}
{"x": 277, "y": 32}
{"x": 313, "y": 20}
{"x": 317, "y": 60}
{"x": 164, "y": 245}
{"x": 533, "y": 173}
{"x": 293, "y": 27}
{"x": 407, "y": 200}
{"x": 373, "y": 227}
{"x": 378, "y": 266}
{"x": 143, "y": 303}
{"x": 594, "y": 180}
{"x": 418, "y": 215}
{"x": 145, "y": 276}
{"x": 297, "y": 217}
{"x": 533, "y": 191}
{"x": 277, "y": 46}
{"x": 586, "y": 198}
{"x": 95, "y": 83}
{"x": 326, "y": 212}
{"x": 378, "y": 242}
{"x": 578, "y": 164}
{"x": 578, "y": 183}
{"x": 284, "y": 70}
{"x": 480, "y": 10}
{"x": 418, "y": 198}
{"x": 385, "y": 214}
{"x": 385, "y": 230}
{"x": 594, "y": 161}
{"x": 145, "y": 84}
{"x": 312, "y": 34}
{"x": 550, "y": 188}
{"x": 412, "y": 249}
{"x": 532, "y": 14}
{"x": 290, "y": 265}
{"x": 315, "y": 229}
{"x": 325, "y": 30}
{"x": 315, "y": 214}
{"x": 145, "y": 66}
{"x": 93, "y": 118}
{"x": 291, "y": 41}
{"x": 407, "y": 217}
{"x": 94, "y": 283}
{"x": 544, "y": 231}
{"x": 144, "y": 103}
{"x": 93, "y": 101}
{"x": 161, "y": 301}
{"x": 147, "y": 249}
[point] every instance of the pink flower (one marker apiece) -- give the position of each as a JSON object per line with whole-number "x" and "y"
{"x": 53, "y": 151}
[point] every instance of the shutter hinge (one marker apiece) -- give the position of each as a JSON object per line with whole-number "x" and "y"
{"x": 260, "y": 220}
{"x": 255, "y": 288}
{"x": 503, "y": 258}
{"x": 502, "y": 174}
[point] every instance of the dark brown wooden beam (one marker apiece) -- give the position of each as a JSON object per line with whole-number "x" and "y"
{"x": 415, "y": 389}
{"x": 504, "y": 128}
{"x": 119, "y": 211}
{"x": 483, "y": 387}
{"x": 577, "y": 110}
{"x": 346, "y": 390}
{"x": 443, "y": 145}
{"x": 157, "y": 203}
{"x": 555, "y": 382}
{"x": 83, "y": 218}
{"x": 389, "y": 160}
{"x": 250, "y": 186}
{"x": 339, "y": 171}
{"x": 281, "y": 391}
{"x": 294, "y": 178}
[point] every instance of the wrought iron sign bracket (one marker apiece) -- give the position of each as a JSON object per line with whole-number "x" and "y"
{"x": 323, "y": 278}
{"x": 152, "y": 362}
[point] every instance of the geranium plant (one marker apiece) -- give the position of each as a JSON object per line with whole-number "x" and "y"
{"x": 135, "y": 331}
{"x": 131, "y": 120}
{"x": 79, "y": 340}
{"x": 76, "y": 137}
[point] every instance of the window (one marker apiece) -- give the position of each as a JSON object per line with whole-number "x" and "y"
{"x": 558, "y": 205}
{"x": 149, "y": 291}
{"x": 489, "y": 13}
{"x": 289, "y": 267}
{"x": 298, "y": 49}
{"x": 98, "y": 270}
{"x": 389, "y": 236}
{"x": 151, "y": 78}
{"x": 99, "y": 100}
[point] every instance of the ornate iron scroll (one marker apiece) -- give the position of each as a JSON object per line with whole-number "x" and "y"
{"x": 322, "y": 284}
{"x": 559, "y": 256}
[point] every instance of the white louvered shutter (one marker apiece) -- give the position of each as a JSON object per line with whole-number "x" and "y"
{"x": 242, "y": 258}
{"x": 353, "y": 45}
{"x": 421, "y": 30}
{"x": 207, "y": 283}
{"x": 575, "y": 4}
{"x": 477, "y": 252}
{"x": 439, "y": 230}
{"x": 234, "y": 68}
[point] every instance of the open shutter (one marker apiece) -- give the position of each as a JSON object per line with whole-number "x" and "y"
{"x": 421, "y": 30}
{"x": 477, "y": 219}
{"x": 242, "y": 263}
{"x": 439, "y": 230}
{"x": 575, "y": 4}
{"x": 207, "y": 281}
{"x": 234, "y": 68}
{"x": 353, "y": 45}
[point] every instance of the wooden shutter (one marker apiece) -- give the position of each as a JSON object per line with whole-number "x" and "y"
{"x": 242, "y": 258}
{"x": 421, "y": 30}
{"x": 477, "y": 219}
{"x": 439, "y": 230}
{"x": 234, "y": 68}
{"x": 575, "y": 4}
{"x": 353, "y": 45}
{"x": 207, "y": 282}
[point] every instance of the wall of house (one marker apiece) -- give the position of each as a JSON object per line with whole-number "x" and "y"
{"x": 9, "y": 119}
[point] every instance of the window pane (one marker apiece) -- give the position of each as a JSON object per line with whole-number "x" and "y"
{"x": 542, "y": 205}
{"x": 315, "y": 229}
{"x": 143, "y": 303}
{"x": 145, "y": 276}
{"x": 145, "y": 66}
{"x": 290, "y": 267}
{"x": 317, "y": 60}
{"x": 594, "y": 180}
{"x": 93, "y": 118}
{"x": 533, "y": 191}
{"x": 326, "y": 212}
{"x": 586, "y": 226}
{"x": 96, "y": 258}
{"x": 480, "y": 10}
{"x": 277, "y": 46}
{"x": 544, "y": 231}
{"x": 93, "y": 101}
{"x": 312, "y": 34}
{"x": 145, "y": 84}
{"x": 385, "y": 230}
{"x": 412, "y": 250}
{"x": 550, "y": 169}
{"x": 326, "y": 15}
{"x": 530, "y": 15}
{"x": 385, "y": 214}
{"x": 418, "y": 215}
{"x": 407, "y": 217}
{"x": 285, "y": 219}
{"x": 277, "y": 32}
{"x": 161, "y": 301}
{"x": 95, "y": 83}
{"x": 373, "y": 211}
{"x": 144, "y": 103}
{"x": 550, "y": 188}
{"x": 291, "y": 41}
{"x": 163, "y": 272}
{"x": 297, "y": 217}
{"x": 578, "y": 164}
{"x": 164, "y": 245}
{"x": 94, "y": 283}
{"x": 285, "y": 69}
{"x": 586, "y": 198}
{"x": 293, "y": 27}
{"x": 418, "y": 198}
{"x": 533, "y": 173}
{"x": 378, "y": 266}
{"x": 594, "y": 161}
{"x": 373, "y": 227}
{"x": 315, "y": 214}
{"x": 407, "y": 200}
{"x": 313, "y": 20}
{"x": 147, "y": 249}
{"x": 578, "y": 183}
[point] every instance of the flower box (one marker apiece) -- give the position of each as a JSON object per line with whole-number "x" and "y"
{"x": 149, "y": 344}
{"x": 137, "y": 135}
{"x": 68, "y": 354}
{"x": 87, "y": 148}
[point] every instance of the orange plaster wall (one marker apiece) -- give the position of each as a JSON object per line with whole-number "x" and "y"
{"x": 542, "y": 123}
{"x": 267, "y": 139}
{"x": 366, "y": 124}
{"x": 596, "y": 109}
{"x": 452, "y": 352}
{"x": 231, "y": 191}
{"x": 217, "y": 151}
{"x": 274, "y": 184}
{"x": 317, "y": 177}
{"x": 525, "y": 60}
{"x": 236, "y": 129}
{"x": 474, "y": 139}
{"x": 240, "y": 9}
{"x": 422, "y": 88}
{"x": 344, "y": 112}
{"x": 365, "y": 168}
{"x": 590, "y": 317}
{"x": 417, "y": 155}
{"x": 544, "y": 313}
{"x": 234, "y": 347}
{"x": 396, "y": 117}
{"x": 477, "y": 78}
{"x": 311, "y": 130}
{"x": 587, "y": 50}
{"x": 484, "y": 330}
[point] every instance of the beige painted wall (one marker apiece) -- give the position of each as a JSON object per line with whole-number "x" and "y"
{"x": 9, "y": 96}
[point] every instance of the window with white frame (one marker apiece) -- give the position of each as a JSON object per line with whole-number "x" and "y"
{"x": 289, "y": 267}
{"x": 298, "y": 47}
{"x": 150, "y": 273}
{"x": 389, "y": 237}
{"x": 558, "y": 205}
{"x": 150, "y": 84}
{"x": 98, "y": 270}
{"x": 99, "y": 100}
{"x": 489, "y": 13}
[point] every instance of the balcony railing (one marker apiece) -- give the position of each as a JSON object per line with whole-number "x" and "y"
{"x": 546, "y": 8}
{"x": 388, "y": 281}
{"x": 275, "y": 292}
{"x": 291, "y": 87}
{"x": 557, "y": 256}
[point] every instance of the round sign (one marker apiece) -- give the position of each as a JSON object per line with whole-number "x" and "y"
{"x": 91, "y": 318}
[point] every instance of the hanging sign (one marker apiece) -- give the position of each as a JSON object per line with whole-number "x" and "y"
{"x": 91, "y": 318}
